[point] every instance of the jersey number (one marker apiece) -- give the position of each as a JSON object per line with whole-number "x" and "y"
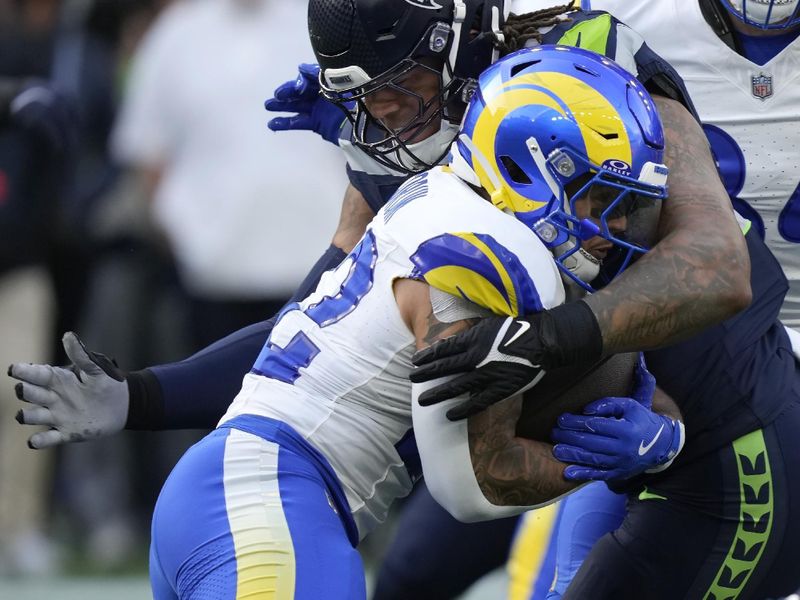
{"x": 284, "y": 363}
{"x": 733, "y": 169}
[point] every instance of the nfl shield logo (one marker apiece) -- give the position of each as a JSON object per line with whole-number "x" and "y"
{"x": 762, "y": 86}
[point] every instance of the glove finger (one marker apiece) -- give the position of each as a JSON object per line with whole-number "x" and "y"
{"x": 46, "y": 439}
{"x": 574, "y": 454}
{"x": 573, "y": 422}
{"x": 490, "y": 396}
{"x": 35, "y": 374}
{"x": 277, "y": 105}
{"x": 586, "y": 441}
{"x": 35, "y": 415}
{"x": 580, "y": 473}
{"x": 449, "y": 346}
{"x": 78, "y": 354}
{"x": 462, "y": 411}
{"x": 309, "y": 70}
{"x": 286, "y": 91}
{"x": 450, "y": 365}
{"x": 301, "y": 122}
{"x": 278, "y": 124}
{"x": 449, "y": 389}
{"x": 293, "y": 106}
{"x": 644, "y": 384}
{"x": 35, "y": 394}
{"x": 609, "y": 406}
{"x": 609, "y": 427}
{"x": 591, "y": 424}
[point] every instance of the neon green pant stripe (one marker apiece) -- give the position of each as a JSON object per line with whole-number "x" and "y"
{"x": 755, "y": 518}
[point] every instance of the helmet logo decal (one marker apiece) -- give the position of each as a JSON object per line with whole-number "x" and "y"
{"x": 762, "y": 86}
{"x": 429, "y": 4}
{"x": 618, "y": 167}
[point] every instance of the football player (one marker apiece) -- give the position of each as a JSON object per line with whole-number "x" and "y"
{"x": 194, "y": 393}
{"x": 777, "y": 215}
{"x": 743, "y": 52}
{"x": 319, "y": 441}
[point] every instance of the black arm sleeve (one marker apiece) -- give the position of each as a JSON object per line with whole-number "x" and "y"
{"x": 194, "y": 393}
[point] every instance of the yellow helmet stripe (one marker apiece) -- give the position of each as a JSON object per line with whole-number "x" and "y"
{"x": 497, "y": 108}
{"x": 603, "y": 130}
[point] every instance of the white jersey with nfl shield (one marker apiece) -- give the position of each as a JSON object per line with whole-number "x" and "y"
{"x": 751, "y": 114}
{"x": 336, "y": 365}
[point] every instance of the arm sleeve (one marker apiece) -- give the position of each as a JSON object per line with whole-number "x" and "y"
{"x": 194, "y": 393}
{"x": 444, "y": 451}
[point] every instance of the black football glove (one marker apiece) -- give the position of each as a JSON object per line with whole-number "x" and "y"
{"x": 503, "y": 356}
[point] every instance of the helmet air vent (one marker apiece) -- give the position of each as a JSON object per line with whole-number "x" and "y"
{"x": 515, "y": 172}
{"x": 587, "y": 70}
{"x": 522, "y": 66}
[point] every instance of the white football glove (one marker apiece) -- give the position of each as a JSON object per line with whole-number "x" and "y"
{"x": 84, "y": 402}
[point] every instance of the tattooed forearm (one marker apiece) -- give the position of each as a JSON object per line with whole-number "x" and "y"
{"x": 437, "y": 330}
{"x": 698, "y": 274}
{"x": 512, "y": 471}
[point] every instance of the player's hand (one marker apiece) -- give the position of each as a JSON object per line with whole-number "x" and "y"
{"x": 86, "y": 401}
{"x": 493, "y": 359}
{"x": 618, "y": 438}
{"x": 39, "y": 107}
{"x": 313, "y": 112}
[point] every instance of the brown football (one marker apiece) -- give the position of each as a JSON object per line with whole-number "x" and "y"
{"x": 569, "y": 389}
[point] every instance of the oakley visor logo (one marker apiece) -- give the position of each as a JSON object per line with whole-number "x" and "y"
{"x": 429, "y": 4}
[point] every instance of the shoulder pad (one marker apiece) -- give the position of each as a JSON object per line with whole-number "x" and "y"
{"x": 591, "y": 30}
{"x": 478, "y": 268}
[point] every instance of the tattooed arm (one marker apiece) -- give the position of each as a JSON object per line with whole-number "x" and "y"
{"x": 511, "y": 470}
{"x": 477, "y": 469}
{"x": 698, "y": 273}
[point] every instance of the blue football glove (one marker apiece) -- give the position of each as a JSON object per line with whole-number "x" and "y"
{"x": 618, "y": 438}
{"x": 314, "y": 113}
{"x": 42, "y": 109}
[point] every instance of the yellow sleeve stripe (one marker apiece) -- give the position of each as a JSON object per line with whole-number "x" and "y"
{"x": 477, "y": 267}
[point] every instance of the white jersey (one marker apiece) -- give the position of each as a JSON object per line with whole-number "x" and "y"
{"x": 751, "y": 115}
{"x": 336, "y": 365}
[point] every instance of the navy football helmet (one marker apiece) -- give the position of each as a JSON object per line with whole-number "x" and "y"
{"x": 364, "y": 46}
{"x": 553, "y": 126}
{"x": 765, "y": 14}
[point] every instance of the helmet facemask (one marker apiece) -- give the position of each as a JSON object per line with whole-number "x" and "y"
{"x": 402, "y": 145}
{"x": 367, "y": 47}
{"x": 765, "y": 14}
{"x": 599, "y": 221}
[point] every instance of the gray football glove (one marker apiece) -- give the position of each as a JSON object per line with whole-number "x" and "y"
{"x": 86, "y": 401}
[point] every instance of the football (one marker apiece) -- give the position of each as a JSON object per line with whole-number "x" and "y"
{"x": 569, "y": 389}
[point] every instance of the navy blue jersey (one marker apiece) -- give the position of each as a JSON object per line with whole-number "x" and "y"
{"x": 735, "y": 377}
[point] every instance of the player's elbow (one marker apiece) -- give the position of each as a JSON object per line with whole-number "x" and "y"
{"x": 461, "y": 503}
{"x": 727, "y": 291}
{"x": 737, "y": 294}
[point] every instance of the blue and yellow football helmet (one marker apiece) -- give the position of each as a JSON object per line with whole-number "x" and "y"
{"x": 765, "y": 14}
{"x": 547, "y": 124}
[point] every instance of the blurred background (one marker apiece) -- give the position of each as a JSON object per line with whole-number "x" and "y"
{"x": 145, "y": 205}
